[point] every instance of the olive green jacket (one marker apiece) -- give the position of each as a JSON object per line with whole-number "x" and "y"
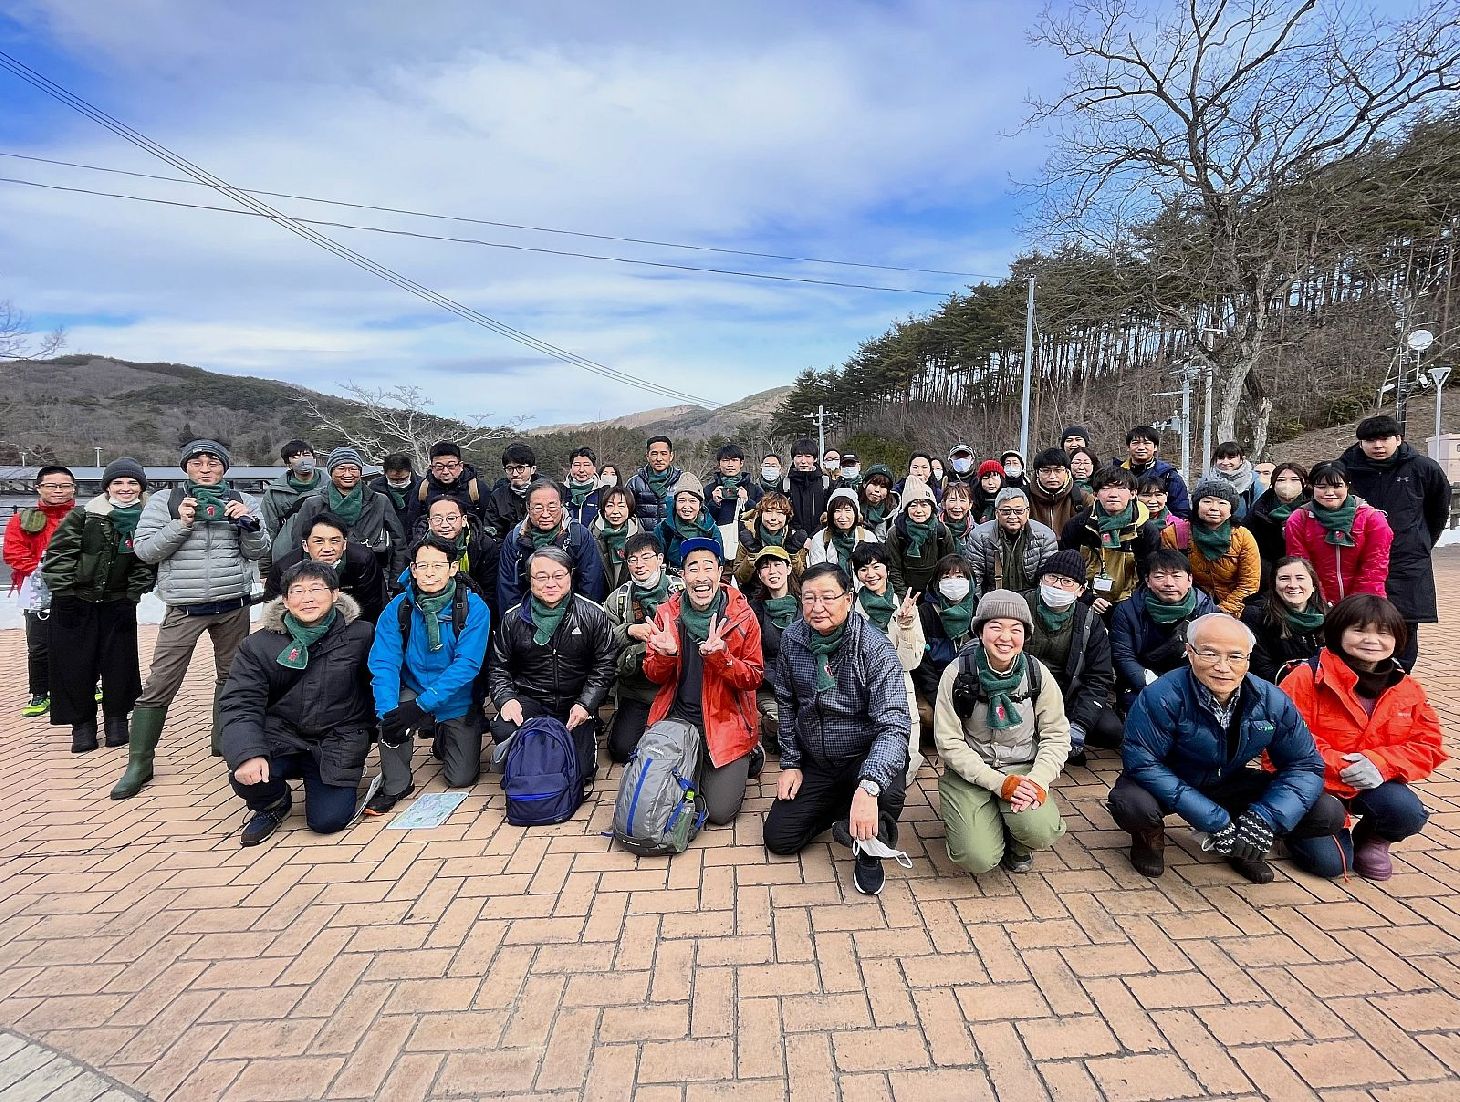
{"x": 85, "y": 559}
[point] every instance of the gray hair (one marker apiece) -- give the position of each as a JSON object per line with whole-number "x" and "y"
{"x": 1201, "y": 622}
{"x": 1011, "y": 493}
{"x": 545, "y": 484}
{"x": 552, "y": 554}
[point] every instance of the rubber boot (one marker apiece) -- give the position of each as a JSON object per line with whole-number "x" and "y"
{"x": 83, "y": 737}
{"x": 142, "y": 745}
{"x": 216, "y": 737}
{"x": 116, "y": 731}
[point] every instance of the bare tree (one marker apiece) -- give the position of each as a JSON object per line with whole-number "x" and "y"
{"x": 399, "y": 419}
{"x": 16, "y": 337}
{"x": 1225, "y": 118}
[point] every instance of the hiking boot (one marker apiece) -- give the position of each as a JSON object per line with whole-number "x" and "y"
{"x": 1259, "y": 871}
{"x": 263, "y": 823}
{"x": 38, "y": 706}
{"x": 1371, "y": 858}
{"x": 1017, "y": 862}
{"x": 1077, "y": 757}
{"x": 1148, "y": 851}
{"x": 383, "y": 803}
{"x": 757, "y": 761}
{"x": 867, "y": 874}
{"x": 116, "y": 730}
{"x": 83, "y": 737}
{"x": 142, "y": 747}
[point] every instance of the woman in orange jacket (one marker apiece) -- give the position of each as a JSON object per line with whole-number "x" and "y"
{"x": 1376, "y": 731}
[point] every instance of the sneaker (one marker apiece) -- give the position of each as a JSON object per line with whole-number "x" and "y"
{"x": 1259, "y": 871}
{"x": 867, "y": 874}
{"x": 38, "y": 706}
{"x": 382, "y": 803}
{"x": 1017, "y": 862}
{"x": 263, "y": 823}
{"x": 98, "y": 694}
{"x": 1371, "y": 859}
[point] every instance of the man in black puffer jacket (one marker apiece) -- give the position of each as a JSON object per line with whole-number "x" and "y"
{"x": 448, "y": 476}
{"x": 553, "y": 654}
{"x": 298, "y": 705}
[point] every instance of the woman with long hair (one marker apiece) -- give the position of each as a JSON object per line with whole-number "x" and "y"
{"x": 1288, "y": 620}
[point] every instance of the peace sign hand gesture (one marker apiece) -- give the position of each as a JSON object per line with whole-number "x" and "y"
{"x": 908, "y": 609}
{"x": 714, "y": 641}
{"x": 664, "y": 640}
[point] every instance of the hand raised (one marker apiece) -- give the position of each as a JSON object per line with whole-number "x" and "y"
{"x": 714, "y": 640}
{"x": 664, "y": 641}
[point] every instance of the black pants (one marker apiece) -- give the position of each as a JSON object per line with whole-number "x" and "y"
{"x": 91, "y": 640}
{"x": 585, "y": 735}
{"x": 825, "y": 798}
{"x": 328, "y": 808}
{"x": 1107, "y": 730}
{"x": 1409, "y": 655}
{"x": 1136, "y": 810}
{"x": 627, "y": 728}
{"x": 38, "y": 651}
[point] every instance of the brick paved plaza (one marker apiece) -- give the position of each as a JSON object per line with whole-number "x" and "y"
{"x": 481, "y": 960}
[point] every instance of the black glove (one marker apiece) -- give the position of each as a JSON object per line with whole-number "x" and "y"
{"x": 1254, "y": 838}
{"x": 396, "y": 725}
{"x": 1221, "y": 841}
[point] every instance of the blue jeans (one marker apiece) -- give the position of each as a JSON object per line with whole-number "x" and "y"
{"x": 328, "y": 808}
{"x": 1391, "y": 812}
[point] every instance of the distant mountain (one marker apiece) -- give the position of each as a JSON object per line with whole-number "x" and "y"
{"x": 688, "y": 422}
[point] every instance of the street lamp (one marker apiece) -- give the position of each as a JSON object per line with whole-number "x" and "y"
{"x": 1439, "y": 374}
{"x": 1418, "y": 342}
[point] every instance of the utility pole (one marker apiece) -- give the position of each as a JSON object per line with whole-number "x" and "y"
{"x": 819, "y": 418}
{"x": 1028, "y": 367}
{"x": 98, "y": 456}
{"x": 1188, "y": 376}
{"x": 1211, "y": 370}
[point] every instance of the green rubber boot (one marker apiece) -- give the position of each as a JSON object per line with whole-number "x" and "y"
{"x": 216, "y": 736}
{"x": 142, "y": 745}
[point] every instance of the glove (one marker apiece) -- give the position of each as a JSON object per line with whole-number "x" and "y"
{"x": 1006, "y": 790}
{"x": 1222, "y": 840}
{"x": 1254, "y": 838}
{"x": 396, "y": 724}
{"x": 1363, "y": 773}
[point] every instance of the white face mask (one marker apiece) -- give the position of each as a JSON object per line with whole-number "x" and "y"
{"x": 770, "y": 474}
{"x": 398, "y": 483}
{"x": 831, "y": 466}
{"x": 1055, "y": 597}
{"x": 954, "y": 588}
{"x": 851, "y": 472}
{"x": 1013, "y": 470}
{"x": 962, "y": 464}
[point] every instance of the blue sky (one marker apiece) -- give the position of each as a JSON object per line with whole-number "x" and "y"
{"x": 881, "y": 132}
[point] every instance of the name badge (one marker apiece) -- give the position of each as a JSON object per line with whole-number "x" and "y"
{"x": 1104, "y": 584}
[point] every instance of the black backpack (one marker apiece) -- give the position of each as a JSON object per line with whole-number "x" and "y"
{"x": 459, "y": 610}
{"x": 967, "y": 693}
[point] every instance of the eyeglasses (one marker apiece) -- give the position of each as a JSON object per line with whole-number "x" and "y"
{"x": 552, "y": 579}
{"x": 643, "y": 558}
{"x": 545, "y": 507}
{"x": 1007, "y": 512}
{"x": 57, "y": 485}
{"x": 517, "y": 468}
{"x": 446, "y": 466}
{"x": 1221, "y": 658}
{"x": 812, "y": 600}
{"x": 312, "y": 591}
{"x": 430, "y": 565}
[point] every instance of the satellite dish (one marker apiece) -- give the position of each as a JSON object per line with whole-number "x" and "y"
{"x": 1419, "y": 340}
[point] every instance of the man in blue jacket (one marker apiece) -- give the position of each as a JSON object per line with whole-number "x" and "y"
{"x": 428, "y": 650}
{"x": 1142, "y": 444}
{"x": 1189, "y": 740}
{"x": 547, "y": 524}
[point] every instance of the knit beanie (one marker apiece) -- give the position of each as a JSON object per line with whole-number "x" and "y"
{"x": 689, "y": 484}
{"x": 1075, "y": 430}
{"x": 1002, "y": 604}
{"x": 1066, "y": 564}
{"x": 204, "y": 447}
{"x": 1215, "y": 487}
{"x": 990, "y": 466}
{"x": 1052, "y": 457}
{"x": 342, "y": 456}
{"x": 125, "y": 467}
{"x": 1011, "y": 454}
{"x": 850, "y": 497}
{"x": 1010, "y": 493}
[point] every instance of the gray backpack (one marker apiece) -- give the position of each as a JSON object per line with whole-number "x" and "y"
{"x": 659, "y": 809}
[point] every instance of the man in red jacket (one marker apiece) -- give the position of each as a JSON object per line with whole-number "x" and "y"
{"x": 26, "y": 538}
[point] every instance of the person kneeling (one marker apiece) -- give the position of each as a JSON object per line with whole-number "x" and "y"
{"x": 704, "y": 655}
{"x": 1189, "y": 740}
{"x": 1001, "y": 731}
{"x": 297, "y": 704}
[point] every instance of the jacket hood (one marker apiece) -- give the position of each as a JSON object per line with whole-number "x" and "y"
{"x": 1353, "y": 456}
{"x": 273, "y": 617}
{"x": 99, "y": 506}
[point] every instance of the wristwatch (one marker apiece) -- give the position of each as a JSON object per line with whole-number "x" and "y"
{"x": 871, "y": 787}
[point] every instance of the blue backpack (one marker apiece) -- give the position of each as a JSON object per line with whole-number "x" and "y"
{"x": 543, "y": 775}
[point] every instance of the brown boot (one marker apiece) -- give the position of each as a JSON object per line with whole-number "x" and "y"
{"x": 1148, "y": 851}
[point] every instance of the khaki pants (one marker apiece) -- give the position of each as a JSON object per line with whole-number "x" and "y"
{"x": 977, "y": 820}
{"x": 178, "y": 638}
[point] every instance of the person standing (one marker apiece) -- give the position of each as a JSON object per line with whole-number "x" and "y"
{"x": 204, "y": 538}
{"x": 583, "y": 490}
{"x": 506, "y": 505}
{"x": 1224, "y": 558}
{"x": 95, "y": 578}
{"x": 1413, "y": 492}
{"x": 399, "y": 483}
{"x": 1115, "y": 535}
{"x": 1007, "y": 551}
{"x": 653, "y": 485}
{"x": 808, "y": 489}
{"x": 1346, "y": 539}
{"x": 1231, "y": 465}
{"x": 26, "y": 537}
{"x": 1053, "y": 496}
{"x": 1287, "y": 490}
{"x": 612, "y": 529}
{"x": 282, "y": 497}
{"x": 1142, "y": 445}
{"x": 547, "y": 525}
{"x": 371, "y": 516}
{"x": 917, "y": 540}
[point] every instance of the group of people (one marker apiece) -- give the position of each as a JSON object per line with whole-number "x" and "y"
{"x": 1244, "y": 643}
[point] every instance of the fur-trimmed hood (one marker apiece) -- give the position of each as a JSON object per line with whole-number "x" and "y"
{"x": 273, "y": 618}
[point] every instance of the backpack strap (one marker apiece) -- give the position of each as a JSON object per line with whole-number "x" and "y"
{"x": 460, "y": 608}
{"x": 421, "y": 492}
{"x": 474, "y": 491}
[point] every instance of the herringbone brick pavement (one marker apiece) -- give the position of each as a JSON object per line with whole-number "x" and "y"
{"x": 481, "y": 960}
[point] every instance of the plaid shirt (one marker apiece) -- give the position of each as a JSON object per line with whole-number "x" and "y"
{"x": 1222, "y": 713}
{"x": 864, "y": 718}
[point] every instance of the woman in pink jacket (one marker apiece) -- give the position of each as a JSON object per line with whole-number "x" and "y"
{"x": 1346, "y": 540}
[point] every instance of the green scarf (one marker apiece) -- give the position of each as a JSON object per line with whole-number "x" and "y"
{"x": 1052, "y": 620}
{"x": 1165, "y": 614}
{"x": 212, "y": 500}
{"x": 579, "y": 492}
{"x": 999, "y": 689}
{"x": 308, "y": 484}
{"x": 1213, "y": 543}
{"x": 1303, "y": 621}
{"x": 1083, "y": 484}
{"x": 540, "y": 538}
{"x": 1110, "y": 526}
{"x": 874, "y": 515}
{"x": 650, "y": 599}
{"x": 781, "y": 610}
{"x": 918, "y": 535}
{"x": 767, "y": 487}
{"x": 346, "y": 506}
{"x": 1012, "y": 552}
{"x": 295, "y": 656}
{"x": 879, "y": 608}
{"x": 959, "y": 529}
{"x": 729, "y": 485}
{"x": 702, "y": 525}
{"x": 843, "y": 544}
{"x": 955, "y": 617}
{"x": 823, "y": 647}
{"x": 659, "y": 481}
{"x": 124, "y": 522}
{"x": 1284, "y": 509}
{"x": 397, "y": 497}
{"x": 546, "y": 618}
{"x": 697, "y": 623}
{"x": 1161, "y": 517}
{"x": 614, "y": 539}
{"x": 1338, "y": 523}
{"x": 772, "y": 539}
{"x": 431, "y": 607}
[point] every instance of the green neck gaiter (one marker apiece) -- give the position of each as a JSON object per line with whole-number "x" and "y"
{"x": 659, "y": 481}
{"x": 824, "y": 647}
{"x": 346, "y": 506}
{"x": 431, "y": 606}
{"x": 1051, "y": 620}
{"x": 540, "y": 538}
{"x": 697, "y": 623}
{"x": 702, "y": 525}
{"x": 1338, "y": 524}
{"x": 1110, "y": 526}
{"x": 919, "y": 533}
{"x": 212, "y": 500}
{"x": 999, "y": 689}
{"x": 579, "y": 492}
{"x": 614, "y": 537}
{"x": 843, "y": 543}
{"x": 1213, "y": 543}
{"x": 769, "y": 538}
{"x": 295, "y": 656}
{"x": 304, "y": 485}
{"x": 546, "y": 618}
{"x": 878, "y": 607}
{"x": 781, "y": 610}
{"x": 955, "y": 617}
{"x": 651, "y": 597}
{"x": 876, "y": 514}
{"x": 1304, "y": 620}
{"x": 124, "y": 523}
{"x": 1165, "y": 614}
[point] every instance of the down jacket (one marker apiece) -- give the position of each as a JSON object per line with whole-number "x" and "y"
{"x": 572, "y": 538}
{"x": 578, "y": 665}
{"x": 728, "y": 684}
{"x": 84, "y": 559}
{"x": 1138, "y": 643}
{"x": 649, "y": 507}
{"x": 1402, "y": 737}
{"x": 203, "y": 564}
{"x": 986, "y": 553}
{"x": 1230, "y": 579}
{"x": 1174, "y": 749}
{"x": 323, "y": 710}
{"x": 1362, "y": 568}
{"x": 442, "y": 680}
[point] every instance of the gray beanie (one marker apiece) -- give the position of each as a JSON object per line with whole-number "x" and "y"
{"x": 341, "y": 456}
{"x": 204, "y": 447}
{"x": 1001, "y": 604}
{"x": 1215, "y": 487}
{"x": 125, "y": 467}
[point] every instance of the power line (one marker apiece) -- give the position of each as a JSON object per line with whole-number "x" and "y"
{"x": 475, "y": 240}
{"x": 515, "y": 226}
{"x": 314, "y": 237}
